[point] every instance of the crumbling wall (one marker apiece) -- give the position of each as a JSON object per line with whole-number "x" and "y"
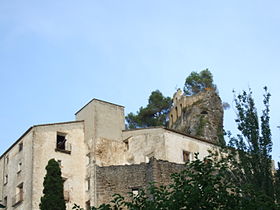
{"x": 125, "y": 178}
{"x": 110, "y": 152}
{"x": 200, "y": 115}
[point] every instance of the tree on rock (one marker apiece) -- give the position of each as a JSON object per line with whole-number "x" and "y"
{"x": 53, "y": 198}
{"x": 197, "y": 82}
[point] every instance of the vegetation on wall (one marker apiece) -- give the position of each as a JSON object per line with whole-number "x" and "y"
{"x": 239, "y": 176}
{"x": 53, "y": 198}
{"x": 156, "y": 112}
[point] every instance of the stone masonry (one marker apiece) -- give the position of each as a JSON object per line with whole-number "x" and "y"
{"x": 122, "y": 179}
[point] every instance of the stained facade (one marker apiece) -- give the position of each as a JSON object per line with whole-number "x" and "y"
{"x": 97, "y": 156}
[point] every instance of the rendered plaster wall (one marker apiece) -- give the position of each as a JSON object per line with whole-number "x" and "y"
{"x": 144, "y": 144}
{"x": 102, "y": 120}
{"x": 73, "y": 166}
{"x": 163, "y": 145}
{"x": 123, "y": 179}
{"x": 18, "y": 175}
{"x": 110, "y": 152}
{"x": 1, "y": 178}
{"x": 176, "y": 143}
{"x": 104, "y": 123}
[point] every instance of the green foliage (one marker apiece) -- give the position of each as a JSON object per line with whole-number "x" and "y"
{"x": 53, "y": 198}
{"x": 197, "y": 82}
{"x": 154, "y": 114}
{"x": 236, "y": 177}
{"x": 203, "y": 184}
{"x": 253, "y": 144}
{"x": 201, "y": 125}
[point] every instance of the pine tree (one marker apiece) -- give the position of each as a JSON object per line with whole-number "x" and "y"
{"x": 53, "y": 198}
{"x": 154, "y": 114}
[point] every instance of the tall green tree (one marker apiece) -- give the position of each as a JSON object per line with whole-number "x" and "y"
{"x": 197, "y": 82}
{"x": 204, "y": 184}
{"x": 154, "y": 114}
{"x": 53, "y": 198}
{"x": 253, "y": 144}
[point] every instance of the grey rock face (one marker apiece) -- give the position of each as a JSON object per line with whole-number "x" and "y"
{"x": 200, "y": 115}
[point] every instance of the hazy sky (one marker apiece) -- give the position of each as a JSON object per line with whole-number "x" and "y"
{"x": 55, "y": 56}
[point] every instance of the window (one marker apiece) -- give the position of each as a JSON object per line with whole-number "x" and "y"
{"x": 19, "y": 167}
{"x": 7, "y": 159}
{"x": 6, "y": 179}
{"x": 61, "y": 143}
{"x": 148, "y": 157}
{"x": 59, "y": 163}
{"x": 186, "y": 156}
{"x": 88, "y": 205}
{"x": 5, "y": 201}
{"x": 18, "y": 198}
{"x": 66, "y": 192}
{"x": 176, "y": 110}
{"x": 204, "y": 112}
{"x": 126, "y": 144}
{"x": 135, "y": 192}
{"x": 20, "y": 146}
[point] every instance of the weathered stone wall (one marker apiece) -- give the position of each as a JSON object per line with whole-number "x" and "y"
{"x": 18, "y": 175}
{"x": 200, "y": 115}
{"x": 123, "y": 179}
{"x": 73, "y": 165}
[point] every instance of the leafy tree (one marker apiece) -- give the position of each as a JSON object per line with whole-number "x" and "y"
{"x": 53, "y": 198}
{"x": 197, "y": 82}
{"x": 237, "y": 177}
{"x": 154, "y": 114}
{"x": 203, "y": 184}
{"x": 253, "y": 144}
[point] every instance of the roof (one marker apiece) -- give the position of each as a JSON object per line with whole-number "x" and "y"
{"x": 94, "y": 99}
{"x": 34, "y": 126}
{"x": 174, "y": 131}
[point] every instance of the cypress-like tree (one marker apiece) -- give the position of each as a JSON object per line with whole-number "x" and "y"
{"x": 254, "y": 144}
{"x": 53, "y": 198}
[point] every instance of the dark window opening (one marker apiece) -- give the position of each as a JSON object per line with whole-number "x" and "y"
{"x": 176, "y": 110}
{"x": 88, "y": 205}
{"x": 7, "y": 160}
{"x": 186, "y": 156}
{"x": 5, "y": 201}
{"x": 204, "y": 112}
{"x": 126, "y": 144}
{"x": 20, "y": 146}
{"x": 60, "y": 141}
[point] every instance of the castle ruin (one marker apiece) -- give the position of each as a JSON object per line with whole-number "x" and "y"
{"x": 199, "y": 115}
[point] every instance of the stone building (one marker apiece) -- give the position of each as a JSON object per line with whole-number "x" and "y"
{"x": 97, "y": 156}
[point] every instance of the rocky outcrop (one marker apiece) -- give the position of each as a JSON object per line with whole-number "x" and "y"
{"x": 200, "y": 115}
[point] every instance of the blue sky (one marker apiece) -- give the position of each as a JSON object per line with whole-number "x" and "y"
{"x": 57, "y": 55}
